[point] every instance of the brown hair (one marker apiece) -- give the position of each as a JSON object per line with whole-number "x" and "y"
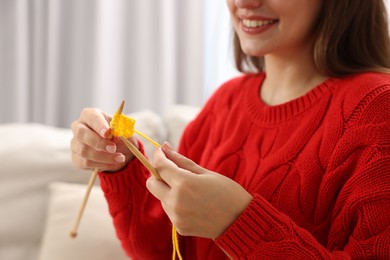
{"x": 352, "y": 36}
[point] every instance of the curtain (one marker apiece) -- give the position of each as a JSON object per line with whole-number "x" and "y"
{"x": 218, "y": 45}
{"x": 59, "y": 56}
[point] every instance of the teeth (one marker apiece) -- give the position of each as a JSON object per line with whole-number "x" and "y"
{"x": 254, "y": 23}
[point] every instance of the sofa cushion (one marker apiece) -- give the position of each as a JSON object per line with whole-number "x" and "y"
{"x": 31, "y": 156}
{"x": 96, "y": 237}
{"x": 175, "y": 121}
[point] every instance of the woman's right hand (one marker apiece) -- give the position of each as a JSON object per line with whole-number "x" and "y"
{"x": 91, "y": 146}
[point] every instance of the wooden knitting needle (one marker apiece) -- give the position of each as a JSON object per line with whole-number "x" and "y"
{"x": 141, "y": 157}
{"x": 73, "y": 232}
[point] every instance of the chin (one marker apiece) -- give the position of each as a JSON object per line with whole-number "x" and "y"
{"x": 252, "y": 49}
{"x": 252, "y": 52}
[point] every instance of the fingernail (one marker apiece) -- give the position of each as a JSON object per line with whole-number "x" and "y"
{"x": 103, "y": 132}
{"x": 111, "y": 148}
{"x": 120, "y": 158}
{"x": 167, "y": 149}
{"x": 168, "y": 145}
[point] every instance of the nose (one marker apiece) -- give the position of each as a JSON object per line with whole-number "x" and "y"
{"x": 248, "y": 3}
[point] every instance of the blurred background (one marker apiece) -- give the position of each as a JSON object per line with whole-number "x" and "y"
{"x": 59, "y": 56}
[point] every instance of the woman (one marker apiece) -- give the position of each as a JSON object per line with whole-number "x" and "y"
{"x": 289, "y": 161}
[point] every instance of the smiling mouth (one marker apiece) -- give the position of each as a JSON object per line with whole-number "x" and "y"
{"x": 257, "y": 23}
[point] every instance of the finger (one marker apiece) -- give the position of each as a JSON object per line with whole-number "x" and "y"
{"x": 89, "y": 137}
{"x": 167, "y": 170}
{"x": 181, "y": 161}
{"x": 159, "y": 189}
{"x": 97, "y": 120}
{"x": 85, "y": 163}
{"x": 87, "y": 152}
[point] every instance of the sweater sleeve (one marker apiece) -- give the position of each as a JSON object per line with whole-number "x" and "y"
{"x": 360, "y": 219}
{"x": 137, "y": 215}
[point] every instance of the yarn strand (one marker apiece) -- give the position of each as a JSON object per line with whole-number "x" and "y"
{"x": 175, "y": 242}
{"x": 147, "y": 138}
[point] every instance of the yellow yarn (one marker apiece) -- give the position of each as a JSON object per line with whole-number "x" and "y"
{"x": 175, "y": 242}
{"x": 122, "y": 125}
{"x": 147, "y": 138}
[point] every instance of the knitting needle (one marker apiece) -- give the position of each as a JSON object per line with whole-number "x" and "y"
{"x": 73, "y": 232}
{"x": 141, "y": 157}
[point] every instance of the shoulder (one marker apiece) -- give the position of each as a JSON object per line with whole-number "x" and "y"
{"x": 359, "y": 86}
{"x": 364, "y": 96}
{"x": 366, "y": 79}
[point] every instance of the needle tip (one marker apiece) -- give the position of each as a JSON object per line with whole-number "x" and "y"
{"x": 120, "y": 109}
{"x": 73, "y": 234}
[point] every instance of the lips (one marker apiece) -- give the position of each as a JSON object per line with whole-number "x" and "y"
{"x": 256, "y": 25}
{"x": 249, "y": 23}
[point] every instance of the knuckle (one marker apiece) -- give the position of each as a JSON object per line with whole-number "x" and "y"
{"x": 85, "y": 112}
{"x": 85, "y": 164}
{"x": 79, "y": 133}
{"x": 158, "y": 162}
{"x": 100, "y": 143}
{"x": 74, "y": 125}
{"x": 83, "y": 150}
{"x": 80, "y": 162}
{"x": 92, "y": 117}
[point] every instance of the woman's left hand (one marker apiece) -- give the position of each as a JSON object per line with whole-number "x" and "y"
{"x": 199, "y": 202}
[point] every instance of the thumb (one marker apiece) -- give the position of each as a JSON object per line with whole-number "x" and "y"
{"x": 180, "y": 160}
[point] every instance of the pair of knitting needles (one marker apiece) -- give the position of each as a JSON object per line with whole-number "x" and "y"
{"x": 135, "y": 151}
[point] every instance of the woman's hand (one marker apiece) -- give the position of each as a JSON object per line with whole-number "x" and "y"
{"x": 198, "y": 202}
{"x": 91, "y": 146}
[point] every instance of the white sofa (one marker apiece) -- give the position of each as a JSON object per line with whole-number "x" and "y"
{"x": 41, "y": 191}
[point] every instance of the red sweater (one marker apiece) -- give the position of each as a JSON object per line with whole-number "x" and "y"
{"x": 318, "y": 168}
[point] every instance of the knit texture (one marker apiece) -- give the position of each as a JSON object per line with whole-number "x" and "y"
{"x": 122, "y": 125}
{"x": 318, "y": 168}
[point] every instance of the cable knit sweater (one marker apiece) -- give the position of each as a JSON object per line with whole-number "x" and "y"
{"x": 318, "y": 168}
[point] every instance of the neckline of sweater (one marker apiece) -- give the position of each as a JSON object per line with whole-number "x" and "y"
{"x": 264, "y": 113}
